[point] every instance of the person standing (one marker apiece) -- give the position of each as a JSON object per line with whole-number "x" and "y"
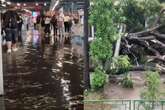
{"x": 38, "y": 22}
{"x": 20, "y": 23}
{"x": 10, "y": 19}
{"x": 47, "y": 26}
{"x": 66, "y": 23}
{"x": 61, "y": 24}
{"x": 54, "y": 24}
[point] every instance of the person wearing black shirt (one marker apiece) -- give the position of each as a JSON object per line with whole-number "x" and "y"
{"x": 54, "y": 24}
{"x": 10, "y": 19}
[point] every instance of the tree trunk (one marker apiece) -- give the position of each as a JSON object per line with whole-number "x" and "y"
{"x": 118, "y": 43}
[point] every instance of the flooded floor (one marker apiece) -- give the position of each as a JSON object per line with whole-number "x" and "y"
{"x": 42, "y": 77}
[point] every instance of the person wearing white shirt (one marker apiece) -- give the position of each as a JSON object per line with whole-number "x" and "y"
{"x": 47, "y": 25}
{"x": 61, "y": 24}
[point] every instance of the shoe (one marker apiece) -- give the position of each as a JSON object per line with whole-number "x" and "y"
{"x": 15, "y": 49}
{"x": 9, "y": 51}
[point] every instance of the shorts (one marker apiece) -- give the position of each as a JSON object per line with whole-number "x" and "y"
{"x": 11, "y": 35}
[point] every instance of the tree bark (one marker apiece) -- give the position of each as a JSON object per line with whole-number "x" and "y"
{"x": 117, "y": 49}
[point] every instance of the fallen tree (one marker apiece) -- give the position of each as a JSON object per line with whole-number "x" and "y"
{"x": 148, "y": 44}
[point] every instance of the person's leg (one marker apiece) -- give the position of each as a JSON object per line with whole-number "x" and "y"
{"x": 14, "y": 37}
{"x": 19, "y": 35}
{"x": 65, "y": 26}
{"x": 54, "y": 30}
{"x": 68, "y": 27}
{"x": 49, "y": 30}
{"x": 27, "y": 27}
{"x": 8, "y": 40}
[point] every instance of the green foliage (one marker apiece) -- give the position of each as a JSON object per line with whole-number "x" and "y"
{"x": 106, "y": 17}
{"x": 153, "y": 84}
{"x": 101, "y": 50}
{"x": 140, "y": 14}
{"x": 127, "y": 81}
{"x": 98, "y": 79}
{"x": 120, "y": 65}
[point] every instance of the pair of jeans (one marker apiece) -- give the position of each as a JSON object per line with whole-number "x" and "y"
{"x": 11, "y": 35}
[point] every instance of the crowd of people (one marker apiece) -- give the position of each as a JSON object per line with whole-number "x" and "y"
{"x": 58, "y": 24}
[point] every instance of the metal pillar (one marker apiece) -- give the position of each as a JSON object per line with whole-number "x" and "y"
{"x": 1, "y": 68}
{"x": 86, "y": 47}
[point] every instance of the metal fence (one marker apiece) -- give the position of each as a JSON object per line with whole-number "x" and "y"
{"x": 124, "y": 105}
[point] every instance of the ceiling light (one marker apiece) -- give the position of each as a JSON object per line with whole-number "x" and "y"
{"x": 57, "y": 2}
{"x": 27, "y": 10}
{"x": 24, "y": 4}
{"x": 18, "y": 4}
{"x": 37, "y": 4}
{"x": 45, "y": 4}
{"x": 4, "y": 5}
{"x": 9, "y": 3}
{"x": 2, "y": 1}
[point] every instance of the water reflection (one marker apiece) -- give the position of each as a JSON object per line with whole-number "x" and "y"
{"x": 42, "y": 77}
{"x": 2, "y": 103}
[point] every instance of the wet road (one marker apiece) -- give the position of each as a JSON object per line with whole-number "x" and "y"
{"x": 42, "y": 77}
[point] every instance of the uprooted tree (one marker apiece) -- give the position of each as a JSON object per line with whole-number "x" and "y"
{"x": 143, "y": 38}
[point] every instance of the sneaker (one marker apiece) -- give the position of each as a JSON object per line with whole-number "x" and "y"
{"x": 15, "y": 49}
{"x": 9, "y": 51}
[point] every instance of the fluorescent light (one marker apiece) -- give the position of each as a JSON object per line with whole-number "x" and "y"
{"x": 2, "y": 1}
{"x": 37, "y": 4}
{"x": 27, "y": 10}
{"x": 9, "y": 3}
{"x": 57, "y": 2}
{"x": 18, "y": 4}
{"x": 4, "y": 5}
{"x": 45, "y": 4}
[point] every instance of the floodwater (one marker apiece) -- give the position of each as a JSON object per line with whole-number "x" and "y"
{"x": 42, "y": 77}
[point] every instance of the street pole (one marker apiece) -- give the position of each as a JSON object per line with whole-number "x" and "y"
{"x": 1, "y": 70}
{"x": 86, "y": 47}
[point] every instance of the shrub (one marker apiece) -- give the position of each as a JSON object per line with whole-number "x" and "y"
{"x": 120, "y": 65}
{"x": 127, "y": 81}
{"x": 153, "y": 84}
{"x": 152, "y": 92}
{"x": 101, "y": 50}
{"x": 98, "y": 79}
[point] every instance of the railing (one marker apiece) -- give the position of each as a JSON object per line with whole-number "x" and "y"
{"x": 124, "y": 105}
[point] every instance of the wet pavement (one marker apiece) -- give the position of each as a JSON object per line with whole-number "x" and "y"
{"x": 42, "y": 77}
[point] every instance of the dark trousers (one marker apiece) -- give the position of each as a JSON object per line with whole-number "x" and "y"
{"x": 47, "y": 28}
{"x": 19, "y": 35}
{"x": 66, "y": 24}
{"x": 27, "y": 27}
{"x": 55, "y": 29}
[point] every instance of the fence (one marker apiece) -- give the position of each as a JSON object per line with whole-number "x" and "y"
{"x": 124, "y": 105}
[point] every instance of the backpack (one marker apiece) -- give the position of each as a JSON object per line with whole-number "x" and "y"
{"x": 11, "y": 19}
